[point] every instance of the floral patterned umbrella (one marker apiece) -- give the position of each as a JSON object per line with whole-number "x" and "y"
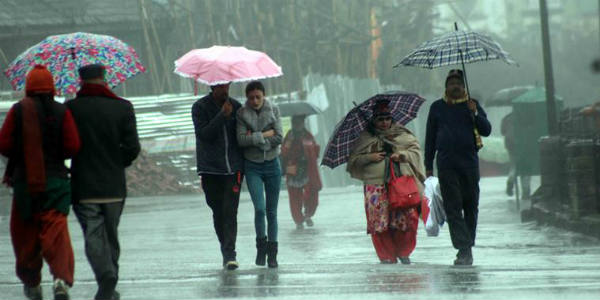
{"x": 64, "y": 54}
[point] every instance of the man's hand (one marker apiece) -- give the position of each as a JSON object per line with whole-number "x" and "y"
{"x": 268, "y": 133}
{"x": 227, "y": 108}
{"x": 398, "y": 157}
{"x": 377, "y": 156}
{"x": 429, "y": 173}
{"x": 472, "y": 105}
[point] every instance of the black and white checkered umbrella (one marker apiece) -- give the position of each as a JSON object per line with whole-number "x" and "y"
{"x": 454, "y": 48}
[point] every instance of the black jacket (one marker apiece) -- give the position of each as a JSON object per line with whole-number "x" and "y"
{"x": 217, "y": 150}
{"x": 109, "y": 143}
{"x": 450, "y": 134}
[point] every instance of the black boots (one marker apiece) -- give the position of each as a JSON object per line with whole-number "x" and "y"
{"x": 266, "y": 251}
{"x": 272, "y": 254}
{"x": 261, "y": 251}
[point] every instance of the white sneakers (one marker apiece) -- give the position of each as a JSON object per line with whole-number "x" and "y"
{"x": 61, "y": 290}
{"x": 232, "y": 265}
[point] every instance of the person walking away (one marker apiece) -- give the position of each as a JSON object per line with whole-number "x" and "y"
{"x": 220, "y": 164}
{"x": 259, "y": 134}
{"x": 38, "y": 134}
{"x": 393, "y": 230}
{"x": 299, "y": 155}
{"x": 109, "y": 144}
{"x": 455, "y": 125}
{"x": 507, "y": 130}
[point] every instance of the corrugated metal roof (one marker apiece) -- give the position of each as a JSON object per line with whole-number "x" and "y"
{"x": 165, "y": 115}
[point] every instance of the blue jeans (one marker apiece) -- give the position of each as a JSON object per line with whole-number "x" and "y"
{"x": 264, "y": 178}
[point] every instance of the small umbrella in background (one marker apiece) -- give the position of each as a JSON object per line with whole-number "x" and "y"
{"x": 297, "y": 108}
{"x": 456, "y": 47}
{"x": 504, "y": 97}
{"x": 224, "y": 64}
{"x": 64, "y": 54}
{"x": 403, "y": 107}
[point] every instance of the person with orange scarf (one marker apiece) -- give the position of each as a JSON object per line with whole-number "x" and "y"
{"x": 455, "y": 125}
{"x": 299, "y": 155}
{"x": 38, "y": 134}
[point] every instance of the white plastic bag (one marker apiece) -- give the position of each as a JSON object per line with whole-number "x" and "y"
{"x": 437, "y": 215}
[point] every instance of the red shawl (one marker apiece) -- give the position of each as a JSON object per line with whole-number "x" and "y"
{"x": 310, "y": 149}
{"x": 32, "y": 147}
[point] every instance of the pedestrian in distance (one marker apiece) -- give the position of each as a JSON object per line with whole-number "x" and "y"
{"x": 38, "y": 134}
{"x": 299, "y": 155}
{"x": 220, "y": 164}
{"x": 109, "y": 144}
{"x": 260, "y": 135}
{"x": 455, "y": 125}
{"x": 393, "y": 230}
{"x": 507, "y": 130}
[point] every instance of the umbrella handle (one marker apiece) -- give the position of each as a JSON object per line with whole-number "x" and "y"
{"x": 462, "y": 61}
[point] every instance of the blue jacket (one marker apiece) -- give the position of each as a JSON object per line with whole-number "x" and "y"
{"x": 217, "y": 150}
{"x": 450, "y": 134}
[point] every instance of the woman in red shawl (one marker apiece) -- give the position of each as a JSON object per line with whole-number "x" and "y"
{"x": 38, "y": 134}
{"x": 299, "y": 155}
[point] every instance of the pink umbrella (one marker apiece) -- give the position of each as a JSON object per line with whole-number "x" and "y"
{"x": 223, "y": 64}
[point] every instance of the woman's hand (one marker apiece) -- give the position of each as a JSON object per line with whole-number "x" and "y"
{"x": 377, "y": 156}
{"x": 268, "y": 133}
{"x": 291, "y": 170}
{"x": 398, "y": 157}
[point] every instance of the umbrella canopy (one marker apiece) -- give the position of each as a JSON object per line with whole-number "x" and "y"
{"x": 504, "y": 97}
{"x": 455, "y": 48}
{"x": 224, "y": 64}
{"x": 534, "y": 95}
{"x": 64, "y": 54}
{"x": 403, "y": 108}
{"x": 297, "y": 108}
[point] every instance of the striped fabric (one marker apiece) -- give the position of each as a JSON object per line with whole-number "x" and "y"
{"x": 403, "y": 107}
{"x": 446, "y": 50}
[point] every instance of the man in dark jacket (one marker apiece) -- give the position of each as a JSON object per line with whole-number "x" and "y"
{"x": 220, "y": 164}
{"x": 454, "y": 128}
{"x": 109, "y": 143}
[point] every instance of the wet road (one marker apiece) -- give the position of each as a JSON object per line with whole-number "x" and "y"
{"x": 170, "y": 251}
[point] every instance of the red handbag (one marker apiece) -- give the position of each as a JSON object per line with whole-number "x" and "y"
{"x": 402, "y": 191}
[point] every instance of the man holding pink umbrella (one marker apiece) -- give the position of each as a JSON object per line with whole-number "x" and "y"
{"x": 219, "y": 159}
{"x": 220, "y": 163}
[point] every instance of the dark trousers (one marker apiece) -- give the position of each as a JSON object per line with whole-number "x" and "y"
{"x": 100, "y": 223}
{"x": 460, "y": 191}
{"x": 223, "y": 197}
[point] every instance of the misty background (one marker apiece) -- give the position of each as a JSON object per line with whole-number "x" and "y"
{"x": 332, "y": 52}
